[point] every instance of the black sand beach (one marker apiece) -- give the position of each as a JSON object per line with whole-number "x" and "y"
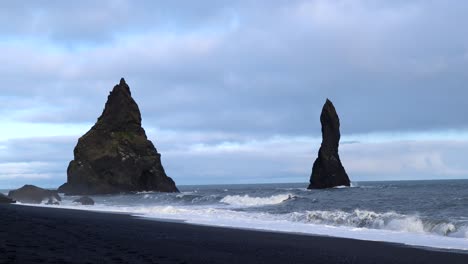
{"x": 44, "y": 235}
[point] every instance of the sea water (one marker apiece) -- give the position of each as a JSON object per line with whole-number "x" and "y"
{"x": 421, "y": 213}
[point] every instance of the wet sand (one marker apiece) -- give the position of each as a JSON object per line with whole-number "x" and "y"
{"x": 46, "y": 235}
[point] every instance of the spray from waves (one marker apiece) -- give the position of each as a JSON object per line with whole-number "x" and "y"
{"x": 184, "y": 198}
{"x": 370, "y": 220}
{"x": 387, "y": 221}
{"x": 275, "y": 222}
{"x": 192, "y": 198}
{"x": 246, "y": 200}
{"x": 341, "y": 187}
{"x": 352, "y": 185}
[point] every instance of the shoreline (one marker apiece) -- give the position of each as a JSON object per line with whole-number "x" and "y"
{"x": 431, "y": 241}
{"x": 186, "y": 222}
{"x": 33, "y": 234}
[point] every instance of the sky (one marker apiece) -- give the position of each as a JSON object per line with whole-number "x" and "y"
{"x": 231, "y": 91}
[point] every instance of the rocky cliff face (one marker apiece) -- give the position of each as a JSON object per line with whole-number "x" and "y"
{"x": 115, "y": 155}
{"x": 328, "y": 171}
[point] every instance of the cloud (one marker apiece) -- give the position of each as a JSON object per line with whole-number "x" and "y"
{"x": 199, "y": 158}
{"x": 89, "y": 22}
{"x": 24, "y": 170}
{"x": 40, "y": 160}
{"x": 16, "y": 174}
{"x": 291, "y": 159}
{"x": 406, "y": 160}
{"x": 260, "y": 76}
{"x": 224, "y": 81}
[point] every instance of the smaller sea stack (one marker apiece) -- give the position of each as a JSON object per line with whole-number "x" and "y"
{"x": 35, "y": 195}
{"x": 4, "y": 199}
{"x": 328, "y": 172}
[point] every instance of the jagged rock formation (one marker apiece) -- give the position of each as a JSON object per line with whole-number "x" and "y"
{"x": 34, "y": 194}
{"x": 84, "y": 200}
{"x": 115, "y": 155}
{"x": 328, "y": 171}
{"x": 4, "y": 199}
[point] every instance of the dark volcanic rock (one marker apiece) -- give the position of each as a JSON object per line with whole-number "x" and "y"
{"x": 4, "y": 199}
{"x": 115, "y": 155}
{"x": 33, "y": 194}
{"x": 52, "y": 202}
{"x": 328, "y": 171}
{"x": 85, "y": 200}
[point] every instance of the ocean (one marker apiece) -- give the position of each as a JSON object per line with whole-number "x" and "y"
{"x": 419, "y": 213}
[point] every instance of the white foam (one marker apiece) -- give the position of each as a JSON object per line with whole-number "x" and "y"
{"x": 388, "y": 221}
{"x": 182, "y": 194}
{"x": 360, "y": 224}
{"x": 341, "y": 187}
{"x": 265, "y": 221}
{"x": 246, "y": 200}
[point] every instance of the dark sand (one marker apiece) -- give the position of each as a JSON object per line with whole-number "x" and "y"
{"x": 44, "y": 235}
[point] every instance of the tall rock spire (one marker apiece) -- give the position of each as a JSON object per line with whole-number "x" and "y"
{"x": 328, "y": 171}
{"x": 121, "y": 113}
{"x": 115, "y": 155}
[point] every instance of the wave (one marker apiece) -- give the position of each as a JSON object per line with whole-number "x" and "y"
{"x": 146, "y": 192}
{"x": 351, "y": 185}
{"x": 359, "y": 224}
{"x": 246, "y": 200}
{"x": 342, "y": 187}
{"x": 387, "y": 221}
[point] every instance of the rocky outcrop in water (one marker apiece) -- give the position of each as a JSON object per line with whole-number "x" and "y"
{"x": 52, "y": 202}
{"x": 115, "y": 155}
{"x": 4, "y": 199}
{"x": 34, "y": 194}
{"x": 84, "y": 200}
{"x": 328, "y": 171}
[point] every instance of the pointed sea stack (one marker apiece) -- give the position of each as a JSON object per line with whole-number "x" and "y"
{"x": 327, "y": 171}
{"x": 115, "y": 155}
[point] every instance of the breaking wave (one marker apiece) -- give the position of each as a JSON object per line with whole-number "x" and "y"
{"x": 388, "y": 221}
{"x": 441, "y": 222}
{"x": 359, "y": 224}
{"x": 246, "y": 200}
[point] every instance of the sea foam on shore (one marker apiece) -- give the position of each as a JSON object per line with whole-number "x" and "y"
{"x": 370, "y": 211}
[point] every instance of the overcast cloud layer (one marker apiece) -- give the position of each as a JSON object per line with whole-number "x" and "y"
{"x": 232, "y": 92}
